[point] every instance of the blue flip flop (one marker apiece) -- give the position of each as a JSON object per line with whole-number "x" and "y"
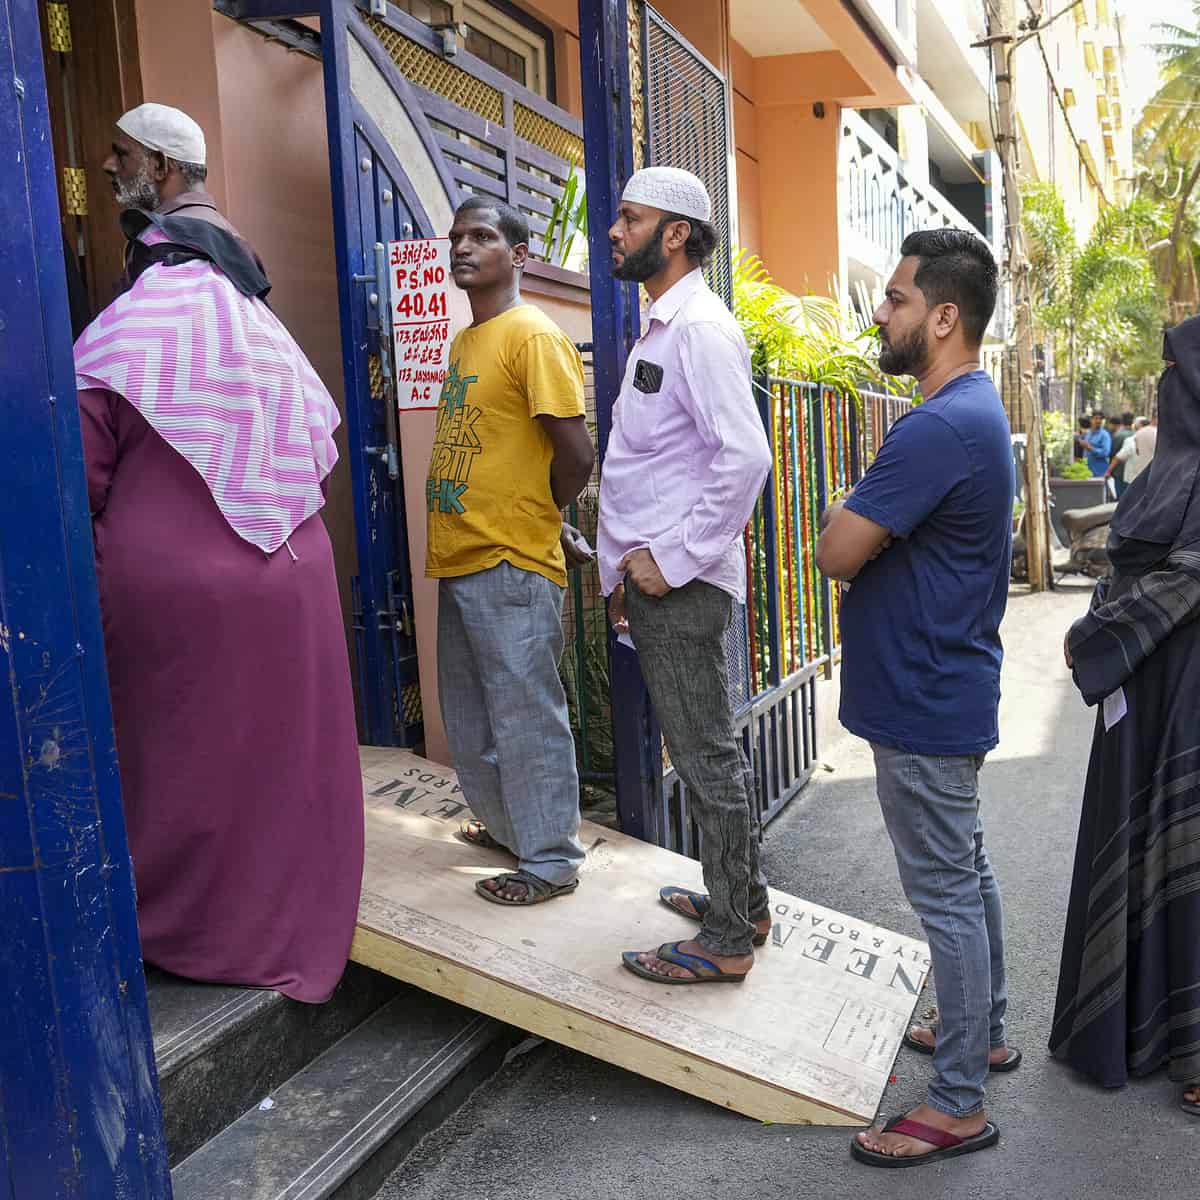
{"x": 700, "y": 903}
{"x": 703, "y": 971}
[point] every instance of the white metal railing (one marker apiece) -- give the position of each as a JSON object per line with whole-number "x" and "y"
{"x": 878, "y": 203}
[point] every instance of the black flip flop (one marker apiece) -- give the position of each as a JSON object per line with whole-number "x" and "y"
{"x": 949, "y": 1145}
{"x": 1192, "y": 1109}
{"x": 703, "y": 971}
{"x": 700, "y": 904}
{"x": 1011, "y": 1063}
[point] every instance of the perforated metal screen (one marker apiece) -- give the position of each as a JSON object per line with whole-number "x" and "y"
{"x": 687, "y": 125}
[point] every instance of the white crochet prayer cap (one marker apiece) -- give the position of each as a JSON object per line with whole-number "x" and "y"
{"x": 670, "y": 189}
{"x": 167, "y": 130}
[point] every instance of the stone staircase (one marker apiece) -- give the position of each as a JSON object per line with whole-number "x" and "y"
{"x": 268, "y": 1099}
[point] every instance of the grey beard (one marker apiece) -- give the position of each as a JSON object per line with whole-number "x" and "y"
{"x": 139, "y": 192}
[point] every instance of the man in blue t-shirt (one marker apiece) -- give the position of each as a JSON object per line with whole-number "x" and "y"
{"x": 926, "y": 538}
{"x": 1099, "y": 444}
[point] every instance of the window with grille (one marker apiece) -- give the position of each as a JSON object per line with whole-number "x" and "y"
{"x": 503, "y": 37}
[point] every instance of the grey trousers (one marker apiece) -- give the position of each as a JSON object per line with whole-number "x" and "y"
{"x": 680, "y": 643}
{"x": 499, "y": 641}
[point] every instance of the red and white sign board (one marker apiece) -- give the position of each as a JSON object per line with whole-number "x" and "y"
{"x": 420, "y": 283}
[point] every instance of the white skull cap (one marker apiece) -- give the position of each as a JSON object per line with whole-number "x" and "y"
{"x": 670, "y": 189}
{"x": 167, "y": 130}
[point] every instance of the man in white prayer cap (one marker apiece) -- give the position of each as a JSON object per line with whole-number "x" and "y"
{"x": 686, "y": 461}
{"x": 159, "y": 163}
{"x": 208, "y": 443}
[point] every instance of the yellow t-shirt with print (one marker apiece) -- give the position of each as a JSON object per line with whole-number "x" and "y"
{"x": 488, "y": 492}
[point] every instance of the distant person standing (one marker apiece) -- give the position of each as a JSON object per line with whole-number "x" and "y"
{"x": 926, "y": 537}
{"x": 1081, "y": 438}
{"x": 512, "y": 449}
{"x": 1099, "y": 446}
{"x": 1129, "y": 459}
{"x": 1116, "y": 467}
{"x": 686, "y": 462}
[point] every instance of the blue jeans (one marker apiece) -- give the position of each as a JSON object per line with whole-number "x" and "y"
{"x": 931, "y": 808}
{"x": 499, "y": 641}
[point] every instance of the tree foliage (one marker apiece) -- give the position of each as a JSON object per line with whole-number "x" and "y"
{"x": 1099, "y": 302}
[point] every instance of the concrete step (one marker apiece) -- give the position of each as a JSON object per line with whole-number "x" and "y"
{"x": 339, "y": 1126}
{"x": 221, "y": 1049}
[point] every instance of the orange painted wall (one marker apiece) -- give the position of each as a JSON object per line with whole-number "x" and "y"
{"x": 179, "y": 67}
{"x": 798, "y": 171}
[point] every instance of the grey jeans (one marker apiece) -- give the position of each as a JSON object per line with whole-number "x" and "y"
{"x": 680, "y": 643}
{"x": 499, "y": 641}
{"x": 931, "y": 809}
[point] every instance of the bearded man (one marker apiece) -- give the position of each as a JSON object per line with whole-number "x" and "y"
{"x": 208, "y": 441}
{"x": 926, "y": 538}
{"x": 686, "y": 461}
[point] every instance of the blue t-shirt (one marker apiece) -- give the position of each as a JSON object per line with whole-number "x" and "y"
{"x": 1100, "y": 449}
{"x": 921, "y": 646}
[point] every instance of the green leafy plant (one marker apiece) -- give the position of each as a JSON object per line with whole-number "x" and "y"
{"x": 1077, "y": 470}
{"x": 802, "y": 337}
{"x": 568, "y": 220}
{"x": 1058, "y": 437}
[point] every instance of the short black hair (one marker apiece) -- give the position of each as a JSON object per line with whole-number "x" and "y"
{"x": 1085, "y": 422}
{"x": 511, "y": 222}
{"x": 701, "y": 243}
{"x": 956, "y": 267}
{"x": 1127, "y": 418}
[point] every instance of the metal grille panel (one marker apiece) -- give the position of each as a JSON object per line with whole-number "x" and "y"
{"x": 543, "y": 132}
{"x": 637, "y": 84}
{"x": 58, "y": 28}
{"x": 75, "y": 199}
{"x": 435, "y": 74}
{"x": 685, "y": 116}
{"x": 687, "y": 125}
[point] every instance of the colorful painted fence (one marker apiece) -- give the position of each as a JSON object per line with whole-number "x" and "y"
{"x": 822, "y": 441}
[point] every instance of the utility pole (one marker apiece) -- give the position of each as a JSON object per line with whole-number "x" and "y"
{"x": 1001, "y": 41}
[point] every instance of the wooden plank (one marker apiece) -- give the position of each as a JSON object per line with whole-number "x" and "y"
{"x": 809, "y": 1038}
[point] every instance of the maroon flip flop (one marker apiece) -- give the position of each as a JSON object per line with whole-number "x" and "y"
{"x": 949, "y": 1145}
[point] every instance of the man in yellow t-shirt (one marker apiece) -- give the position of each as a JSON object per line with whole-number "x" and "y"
{"x": 512, "y": 449}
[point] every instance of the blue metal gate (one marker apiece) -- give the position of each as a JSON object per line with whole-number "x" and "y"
{"x": 79, "y": 1108}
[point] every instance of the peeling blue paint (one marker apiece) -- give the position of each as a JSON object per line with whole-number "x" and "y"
{"x": 79, "y": 1106}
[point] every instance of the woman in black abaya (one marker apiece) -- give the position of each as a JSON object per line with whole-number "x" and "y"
{"x": 1129, "y": 984}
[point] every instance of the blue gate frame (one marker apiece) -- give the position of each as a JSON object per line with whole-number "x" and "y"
{"x": 79, "y": 1109}
{"x": 373, "y": 204}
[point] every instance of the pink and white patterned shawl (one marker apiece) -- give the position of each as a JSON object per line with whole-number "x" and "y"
{"x": 223, "y": 382}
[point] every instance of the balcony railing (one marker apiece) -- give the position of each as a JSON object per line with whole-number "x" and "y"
{"x": 880, "y": 206}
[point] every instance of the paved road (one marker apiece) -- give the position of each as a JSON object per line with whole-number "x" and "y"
{"x": 559, "y": 1125}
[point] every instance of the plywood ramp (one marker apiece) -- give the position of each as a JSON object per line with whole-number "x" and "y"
{"x": 809, "y": 1038}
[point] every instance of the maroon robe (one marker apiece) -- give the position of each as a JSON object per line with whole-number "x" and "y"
{"x": 235, "y": 722}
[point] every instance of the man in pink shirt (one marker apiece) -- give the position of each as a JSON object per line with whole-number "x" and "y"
{"x": 686, "y": 461}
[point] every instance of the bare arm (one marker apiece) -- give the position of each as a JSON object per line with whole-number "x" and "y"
{"x": 574, "y": 456}
{"x": 848, "y": 542}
